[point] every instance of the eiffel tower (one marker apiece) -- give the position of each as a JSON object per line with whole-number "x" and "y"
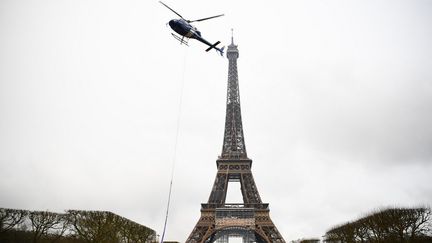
{"x": 249, "y": 220}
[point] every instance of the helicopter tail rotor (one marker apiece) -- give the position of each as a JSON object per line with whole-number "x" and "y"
{"x": 220, "y": 50}
{"x": 213, "y": 46}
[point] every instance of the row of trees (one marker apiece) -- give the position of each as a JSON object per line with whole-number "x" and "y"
{"x": 390, "y": 225}
{"x": 72, "y": 226}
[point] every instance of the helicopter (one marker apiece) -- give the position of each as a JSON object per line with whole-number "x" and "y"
{"x": 186, "y": 30}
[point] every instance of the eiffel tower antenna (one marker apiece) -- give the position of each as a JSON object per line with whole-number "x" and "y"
{"x": 232, "y": 36}
{"x": 249, "y": 219}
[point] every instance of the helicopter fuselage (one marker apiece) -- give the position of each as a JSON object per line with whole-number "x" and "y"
{"x": 185, "y": 29}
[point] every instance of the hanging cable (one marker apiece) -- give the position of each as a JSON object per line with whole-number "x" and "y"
{"x": 175, "y": 147}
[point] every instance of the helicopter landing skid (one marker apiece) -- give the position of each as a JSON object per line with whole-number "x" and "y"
{"x": 182, "y": 40}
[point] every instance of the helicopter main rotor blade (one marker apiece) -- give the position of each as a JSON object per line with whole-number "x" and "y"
{"x": 171, "y": 9}
{"x": 197, "y": 20}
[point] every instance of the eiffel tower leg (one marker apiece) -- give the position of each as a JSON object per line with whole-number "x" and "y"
{"x": 272, "y": 234}
{"x": 205, "y": 226}
{"x": 218, "y": 193}
{"x": 267, "y": 230}
{"x": 249, "y": 189}
{"x": 200, "y": 233}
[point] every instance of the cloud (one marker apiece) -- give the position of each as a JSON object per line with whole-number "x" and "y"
{"x": 336, "y": 102}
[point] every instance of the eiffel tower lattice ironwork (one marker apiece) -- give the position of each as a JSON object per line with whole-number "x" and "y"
{"x": 250, "y": 219}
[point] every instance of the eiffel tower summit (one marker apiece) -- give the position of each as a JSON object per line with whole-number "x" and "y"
{"x": 250, "y": 219}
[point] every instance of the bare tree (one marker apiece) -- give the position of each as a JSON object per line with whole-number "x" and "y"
{"x": 44, "y": 223}
{"x": 91, "y": 226}
{"x": 11, "y": 218}
{"x": 386, "y": 225}
{"x": 309, "y": 241}
{"x": 420, "y": 222}
{"x": 106, "y": 227}
{"x": 132, "y": 232}
{"x": 79, "y": 226}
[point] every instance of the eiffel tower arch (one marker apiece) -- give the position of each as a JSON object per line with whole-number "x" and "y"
{"x": 249, "y": 219}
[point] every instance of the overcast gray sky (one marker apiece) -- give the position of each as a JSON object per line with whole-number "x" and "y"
{"x": 336, "y": 100}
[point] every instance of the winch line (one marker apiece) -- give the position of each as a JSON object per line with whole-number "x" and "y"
{"x": 175, "y": 146}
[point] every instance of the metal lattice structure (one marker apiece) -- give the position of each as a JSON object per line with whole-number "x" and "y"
{"x": 233, "y": 145}
{"x": 250, "y": 219}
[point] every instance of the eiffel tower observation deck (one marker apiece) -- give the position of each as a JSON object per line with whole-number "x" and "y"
{"x": 250, "y": 219}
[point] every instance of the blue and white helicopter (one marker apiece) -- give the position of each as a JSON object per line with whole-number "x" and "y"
{"x": 187, "y": 31}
